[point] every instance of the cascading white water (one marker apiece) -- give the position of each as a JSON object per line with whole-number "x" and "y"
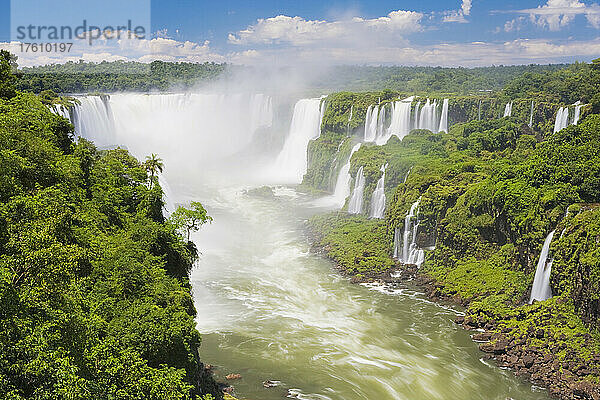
{"x": 93, "y": 119}
{"x": 291, "y": 164}
{"x": 355, "y": 206}
{"x": 342, "y": 185}
{"x": 428, "y": 117}
{"x": 508, "y": 109}
{"x": 541, "y": 290}
{"x": 378, "y": 198}
{"x": 531, "y": 116}
{"x": 400, "y": 124}
{"x": 577, "y": 113}
{"x": 381, "y": 131}
{"x": 61, "y": 110}
{"x": 189, "y": 131}
{"x": 562, "y": 119}
{"x": 411, "y": 253}
{"x": 444, "y": 117}
{"x": 371, "y": 123}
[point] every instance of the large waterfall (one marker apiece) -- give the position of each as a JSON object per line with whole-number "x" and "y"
{"x": 426, "y": 117}
{"x": 356, "y": 201}
{"x": 541, "y": 290}
{"x": 400, "y": 124}
{"x": 409, "y": 253}
{"x": 378, "y": 198}
{"x": 189, "y": 131}
{"x": 291, "y": 163}
{"x": 577, "y": 113}
{"x": 371, "y": 123}
{"x": 562, "y": 119}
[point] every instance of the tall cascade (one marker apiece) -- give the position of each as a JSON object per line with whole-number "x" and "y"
{"x": 409, "y": 253}
{"x": 508, "y": 109}
{"x": 93, "y": 119}
{"x": 428, "y": 117}
{"x": 356, "y": 201}
{"x": 292, "y": 162}
{"x": 531, "y": 116}
{"x": 378, "y": 199}
{"x": 400, "y": 124}
{"x": 371, "y": 123}
{"x": 342, "y": 185}
{"x": 577, "y": 112}
{"x": 541, "y": 290}
{"x": 444, "y": 117}
{"x": 562, "y": 119}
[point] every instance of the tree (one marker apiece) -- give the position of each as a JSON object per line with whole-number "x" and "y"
{"x": 7, "y": 77}
{"x": 190, "y": 219}
{"x": 153, "y": 165}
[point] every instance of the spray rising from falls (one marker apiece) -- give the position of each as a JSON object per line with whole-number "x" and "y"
{"x": 541, "y": 290}
{"x": 409, "y": 252}
{"x": 190, "y": 132}
{"x": 356, "y": 201}
{"x": 291, "y": 164}
{"x": 378, "y": 198}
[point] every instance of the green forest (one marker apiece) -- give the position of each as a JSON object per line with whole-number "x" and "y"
{"x": 95, "y": 298}
{"x": 490, "y": 192}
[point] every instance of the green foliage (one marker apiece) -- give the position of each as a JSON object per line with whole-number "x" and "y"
{"x": 190, "y": 219}
{"x": 86, "y": 77}
{"x": 94, "y": 294}
{"x": 359, "y": 246}
{"x": 7, "y": 77}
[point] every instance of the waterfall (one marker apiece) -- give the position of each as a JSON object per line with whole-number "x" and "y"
{"x": 407, "y": 175}
{"x": 508, "y": 109}
{"x": 562, "y": 119}
{"x": 400, "y": 124}
{"x": 94, "y": 120}
{"x": 417, "y": 113}
{"x": 381, "y": 132}
{"x": 371, "y": 123}
{"x": 378, "y": 198}
{"x": 321, "y": 114}
{"x": 342, "y": 185}
{"x": 531, "y": 116}
{"x": 189, "y": 131}
{"x": 397, "y": 241}
{"x": 61, "y": 110}
{"x": 541, "y": 290}
{"x": 291, "y": 163}
{"x": 411, "y": 253}
{"x": 356, "y": 201}
{"x": 428, "y": 117}
{"x": 444, "y": 117}
{"x": 577, "y": 113}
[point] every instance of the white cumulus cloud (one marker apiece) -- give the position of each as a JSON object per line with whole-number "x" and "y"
{"x": 300, "y": 31}
{"x": 557, "y": 14}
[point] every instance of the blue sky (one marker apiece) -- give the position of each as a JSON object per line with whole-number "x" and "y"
{"x": 429, "y": 32}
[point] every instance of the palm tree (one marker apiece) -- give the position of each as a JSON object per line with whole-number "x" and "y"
{"x": 153, "y": 166}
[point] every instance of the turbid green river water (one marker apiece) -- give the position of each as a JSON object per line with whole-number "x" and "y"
{"x": 270, "y": 310}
